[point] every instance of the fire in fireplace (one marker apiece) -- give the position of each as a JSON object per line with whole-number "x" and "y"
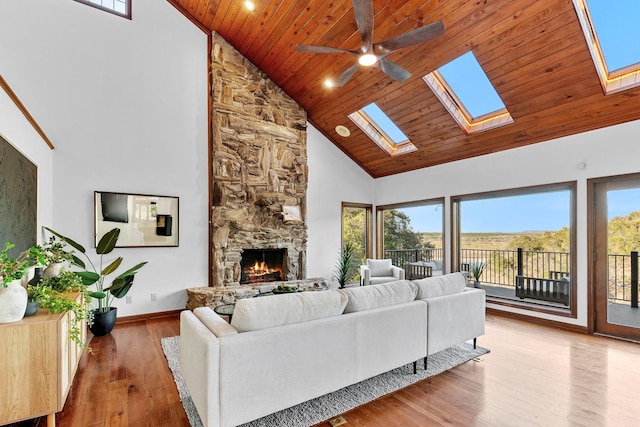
{"x": 262, "y": 265}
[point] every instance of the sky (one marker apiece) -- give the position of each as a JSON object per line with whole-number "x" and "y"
{"x": 536, "y": 212}
{"x": 617, "y": 29}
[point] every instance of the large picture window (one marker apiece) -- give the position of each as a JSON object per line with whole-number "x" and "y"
{"x": 356, "y": 228}
{"x": 521, "y": 245}
{"x": 411, "y": 233}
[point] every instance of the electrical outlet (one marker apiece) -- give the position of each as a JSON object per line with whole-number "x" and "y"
{"x": 154, "y": 297}
{"x": 338, "y": 421}
{"x": 129, "y": 299}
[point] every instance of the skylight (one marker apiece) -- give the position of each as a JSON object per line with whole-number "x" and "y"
{"x": 384, "y": 123}
{"x": 117, "y": 7}
{"x": 466, "y": 92}
{"x": 612, "y": 33}
{"x": 467, "y": 80}
{"x": 382, "y": 130}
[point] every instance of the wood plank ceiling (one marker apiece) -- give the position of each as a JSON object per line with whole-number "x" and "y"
{"x": 534, "y": 53}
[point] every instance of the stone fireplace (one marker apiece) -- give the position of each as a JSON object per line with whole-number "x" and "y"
{"x": 259, "y": 171}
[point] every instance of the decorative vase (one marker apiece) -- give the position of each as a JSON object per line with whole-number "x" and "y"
{"x": 32, "y": 307}
{"x": 103, "y": 321}
{"x": 476, "y": 284}
{"x": 13, "y": 301}
{"x": 53, "y": 269}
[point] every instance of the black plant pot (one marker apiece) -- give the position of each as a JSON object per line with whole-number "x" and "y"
{"x": 103, "y": 322}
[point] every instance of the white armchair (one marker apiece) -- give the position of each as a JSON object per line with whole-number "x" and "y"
{"x": 379, "y": 271}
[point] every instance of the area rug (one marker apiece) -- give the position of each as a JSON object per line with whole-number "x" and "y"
{"x": 330, "y": 405}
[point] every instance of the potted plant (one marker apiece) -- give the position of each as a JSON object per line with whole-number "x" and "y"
{"x": 58, "y": 295}
{"x": 104, "y": 316}
{"x": 55, "y": 256}
{"x": 476, "y": 272}
{"x": 346, "y": 267}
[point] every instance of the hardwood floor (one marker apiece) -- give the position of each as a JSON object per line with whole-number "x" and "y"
{"x": 533, "y": 376}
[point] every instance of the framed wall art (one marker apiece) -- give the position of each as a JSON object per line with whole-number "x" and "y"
{"x": 144, "y": 220}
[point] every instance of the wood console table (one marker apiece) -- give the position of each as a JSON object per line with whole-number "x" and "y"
{"x": 37, "y": 366}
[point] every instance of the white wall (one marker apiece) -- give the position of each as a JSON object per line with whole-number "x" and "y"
{"x": 333, "y": 178}
{"x": 605, "y": 152}
{"x": 125, "y": 104}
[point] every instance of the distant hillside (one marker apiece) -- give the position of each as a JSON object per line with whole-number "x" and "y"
{"x": 497, "y": 241}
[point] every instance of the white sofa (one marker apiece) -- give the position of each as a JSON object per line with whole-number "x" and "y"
{"x": 283, "y": 350}
{"x": 376, "y": 271}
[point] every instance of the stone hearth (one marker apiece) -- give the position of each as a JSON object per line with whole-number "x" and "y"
{"x": 259, "y": 167}
{"x": 213, "y": 297}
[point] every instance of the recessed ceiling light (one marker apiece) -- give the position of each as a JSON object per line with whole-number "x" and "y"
{"x": 329, "y": 83}
{"x": 343, "y": 131}
{"x": 250, "y": 5}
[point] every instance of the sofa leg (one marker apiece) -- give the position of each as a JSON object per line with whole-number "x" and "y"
{"x": 415, "y": 367}
{"x": 425, "y": 363}
{"x": 474, "y": 343}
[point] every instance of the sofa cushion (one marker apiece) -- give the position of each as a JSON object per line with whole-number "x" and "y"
{"x": 440, "y": 285}
{"x": 437, "y": 264}
{"x": 379, "y": 267}
{"x": 215, "y": 323}
{"x": 374, "y": 296}
{"x": 251, "y": 314}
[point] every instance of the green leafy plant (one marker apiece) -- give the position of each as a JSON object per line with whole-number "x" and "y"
{"x": 54, "y": 251}
{"x": 15, "y": 268}
{"x": 58, "y": 295}
{"x": 347, "y": 266}
{"x": 104, "y": 293}
{"x": 477, "y": 270}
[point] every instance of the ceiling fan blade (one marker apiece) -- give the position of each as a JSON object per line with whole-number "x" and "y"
{"x": 363, "y": 10}
{"x": 319, "y": 49}
{"x": 394, "y": 71}
{"x": 420, "y": 35}
{"x": 344, "y": 77}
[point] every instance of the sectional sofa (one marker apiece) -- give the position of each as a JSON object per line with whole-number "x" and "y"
{"x": 282, "y": 350}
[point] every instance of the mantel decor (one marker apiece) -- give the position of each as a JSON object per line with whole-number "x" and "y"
{"x": 143, "y": 220}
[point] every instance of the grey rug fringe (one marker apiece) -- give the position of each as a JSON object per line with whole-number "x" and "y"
{"x": 328, "y": 406}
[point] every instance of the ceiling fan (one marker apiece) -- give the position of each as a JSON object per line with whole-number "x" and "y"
{"x": 371, "y": 53}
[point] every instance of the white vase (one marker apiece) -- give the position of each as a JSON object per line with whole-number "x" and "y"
{"x": 13, "y": 301}
{"x": 53, "y": 269}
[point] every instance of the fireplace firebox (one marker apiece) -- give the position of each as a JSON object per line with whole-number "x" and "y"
{"x": 262, "y": 265}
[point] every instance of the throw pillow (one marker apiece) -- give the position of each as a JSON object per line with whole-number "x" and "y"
{"x": 437, "y": 286}
{"x": 379, "y": 267}
{"x": 252, "y": 314}
{"x": 374, "y": 296}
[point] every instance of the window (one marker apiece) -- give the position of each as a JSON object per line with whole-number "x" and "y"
{"x": 117, "y": 7}
{"x": 411, "y": 232}
{"x": 466, "y": 92}
{"x": 356, "y": 228}
{"x": 524, "y": 240}
{"x": 382, "y": 130}
{"x": 612, "y": 33}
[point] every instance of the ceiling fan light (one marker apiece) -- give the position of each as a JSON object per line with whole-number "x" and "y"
{"x": 250, "y": 5}
{"x": 368, "y": 59}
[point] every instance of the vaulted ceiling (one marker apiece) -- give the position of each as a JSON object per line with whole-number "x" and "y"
{"x": 534, "y": 53}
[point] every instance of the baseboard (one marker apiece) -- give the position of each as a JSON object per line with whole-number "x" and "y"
{"x": 147, "y": 316}
{"x": 538, "y": 320}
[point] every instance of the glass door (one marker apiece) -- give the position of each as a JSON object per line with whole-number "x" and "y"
{"x": 616, "y": 245}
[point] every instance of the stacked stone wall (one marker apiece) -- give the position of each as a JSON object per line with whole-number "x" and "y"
{"x": 259, "y": 165}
